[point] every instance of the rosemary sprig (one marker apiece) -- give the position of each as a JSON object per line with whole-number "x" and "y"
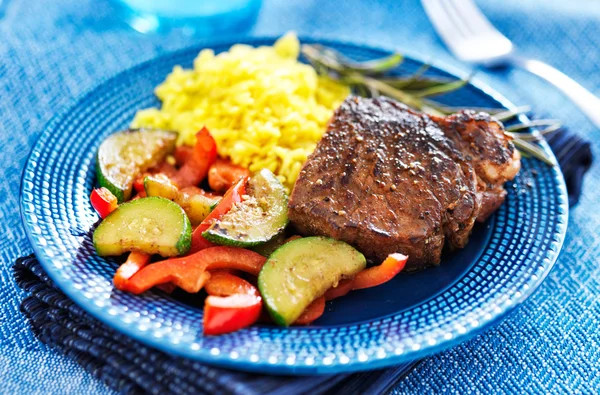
{"x": 505, "y": 115}
{"x": 416, "y": 90}
{"x": 341, "y": 64}
{"x": 442, "y": 88}
{"x": 537, "y": 135}
{"x": 536, "y": 123}
{"x": 531, "y": 149}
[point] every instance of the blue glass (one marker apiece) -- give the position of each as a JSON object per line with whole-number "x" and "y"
{"x": 205, "y": 17}
{"x": 413, "y": 315}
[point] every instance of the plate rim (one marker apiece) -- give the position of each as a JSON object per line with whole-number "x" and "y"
{"x": 210, "y": 358}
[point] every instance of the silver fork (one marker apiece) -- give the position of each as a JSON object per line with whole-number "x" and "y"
{"x": 472, "y": 38}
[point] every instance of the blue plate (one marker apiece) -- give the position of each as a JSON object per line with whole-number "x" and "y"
{"x": 412, "y": 316}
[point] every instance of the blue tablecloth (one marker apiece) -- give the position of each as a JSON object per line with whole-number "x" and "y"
{"x": 52, "y": 51}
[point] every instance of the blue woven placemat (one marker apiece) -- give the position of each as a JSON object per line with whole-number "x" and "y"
{"x": 53, "y": 51}
{"x": 130, "y": 367}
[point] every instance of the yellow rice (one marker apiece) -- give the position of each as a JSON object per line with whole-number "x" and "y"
{"x": 264, "y": 108}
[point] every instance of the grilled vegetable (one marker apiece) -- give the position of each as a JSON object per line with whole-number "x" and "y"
{"x": 196, "y": 206}
{"x": 223, "y": 175}
{"x": 190, "y": 273}
{"x": 231, "y": 198}
{"x": 199, "y": 160}
{"x": 124, "y": 155}
{"x": 314, "y": 311}
{"x": 134, "y": 263}
{"x": 266, "y": 249}
{"x": 151, "y": 225}
{"x": 103, "y": 201}
{"x": 383, "y": 273}
{"x": 303, "y": 270}
{"x": 233, "y": 304}
{"x": 257, "y": 219}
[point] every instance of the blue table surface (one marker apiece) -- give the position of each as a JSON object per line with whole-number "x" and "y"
{"x": 51, "y": 52}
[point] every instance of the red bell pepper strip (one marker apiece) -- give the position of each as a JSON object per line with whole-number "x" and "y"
{"x": 312, "y": 312}
{"x": 233, "y": 304}
{"x": 223, "y": 174}
{"x": 252, "y": 264}
{"x": 223, "y": 283}
{"x": 103, "y": 201}
{"x": 199, "y": 243}
{"x": 232, "y": 197}
{"x": 190, "y": 272}
{"x": 196, "y": 166}
{"x": 134, "y": 263}
{"x": 342, "y": 289}
{"x": 182, "y": 154}
{"x": 231, "y": 313}
{"x": 383, "y": 273}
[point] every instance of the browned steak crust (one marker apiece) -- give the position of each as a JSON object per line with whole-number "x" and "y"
{"x": 388, "y": 179}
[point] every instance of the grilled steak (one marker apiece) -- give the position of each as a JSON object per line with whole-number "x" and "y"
{"x": 388, "y": 179}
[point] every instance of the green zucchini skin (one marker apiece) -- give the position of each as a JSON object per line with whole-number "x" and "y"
{"x": 122, "y": 156}
{"x": 152, "y": 225}
{"x": 255, "y": 220}
{"x": 302, "y": 270}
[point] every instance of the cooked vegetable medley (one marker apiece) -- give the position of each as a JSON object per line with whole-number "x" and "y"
{"x": 229, "y": 240}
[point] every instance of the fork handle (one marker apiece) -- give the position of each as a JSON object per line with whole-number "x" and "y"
{"x": 587, "y": 102}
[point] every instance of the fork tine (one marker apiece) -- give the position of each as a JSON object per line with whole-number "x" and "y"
{"x": 467, "y": 32}
{"x": 453, "y": 15}
{"x": 472, "y": 17}
{"x": 445, "y": 27}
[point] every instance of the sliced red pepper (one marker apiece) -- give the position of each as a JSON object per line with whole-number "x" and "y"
{"x": 342, "y": 289}
{"x": 103, "y": 201}
{"x": 134, "y": 263}
{"x": 196, "y": 166}
{"x": 312, "y": 312}
{"x": 231, "y": 313}
{"x": 233, "y": 304}
{"x": 378, "y": 275}
{"x": 223, "y": 175}
{"x": 232, "y": 197}
{"x": 251, "y": 265}
{"x": 223, "y": 283}
{"x": 182, "y": 154}
{"x": 190, "y": 272}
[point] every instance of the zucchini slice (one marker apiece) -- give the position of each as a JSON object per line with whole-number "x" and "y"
{"x": 124, "y": 155}
{"x": 151, "y": 225}
{"x": 302, "y": 270}
{"x": 256, "y": 219}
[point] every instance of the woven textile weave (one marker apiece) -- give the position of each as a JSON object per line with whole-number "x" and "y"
{"x": 53, "y": 51}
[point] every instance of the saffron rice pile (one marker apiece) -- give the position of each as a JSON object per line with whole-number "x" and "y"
{"x": 264, "y": 107}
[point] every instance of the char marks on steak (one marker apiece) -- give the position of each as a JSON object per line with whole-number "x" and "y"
{"x": 387, "y": 179}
